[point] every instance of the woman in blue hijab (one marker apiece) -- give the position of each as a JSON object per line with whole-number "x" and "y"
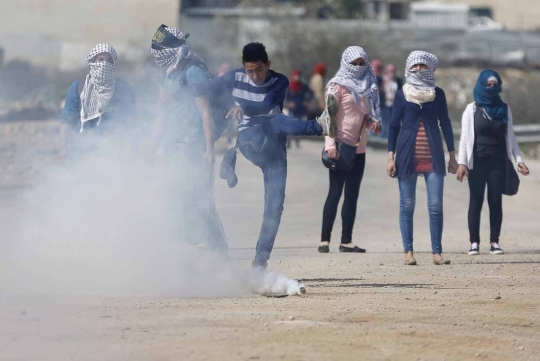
{"x": 487, "y": 141}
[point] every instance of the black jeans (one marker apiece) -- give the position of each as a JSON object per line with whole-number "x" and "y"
{"x": 490, "y": 172}
{"x": 351, "y": 180}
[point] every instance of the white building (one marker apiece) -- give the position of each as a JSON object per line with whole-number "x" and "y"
{"x": 513, "y": 14}
{"x": 435, "y": 15}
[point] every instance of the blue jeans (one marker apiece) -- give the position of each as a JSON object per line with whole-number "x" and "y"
{"x": 264, "y": 144}
{"x": 407, "y": 201}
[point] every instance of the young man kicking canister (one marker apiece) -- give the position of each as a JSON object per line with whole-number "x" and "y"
{"x": 258, "y": 93}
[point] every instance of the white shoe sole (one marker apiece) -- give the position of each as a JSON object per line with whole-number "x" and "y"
{"x": 497, "y": 252}
{"x": 332, "y": 109}
{"x": 474, "y": 253}
{"x": 328, "y": 117}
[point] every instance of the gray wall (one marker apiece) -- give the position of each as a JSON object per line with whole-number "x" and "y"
{"x": 60, "y": 33}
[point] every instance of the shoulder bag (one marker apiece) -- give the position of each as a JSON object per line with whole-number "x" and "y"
{"x": 347, "y": 154}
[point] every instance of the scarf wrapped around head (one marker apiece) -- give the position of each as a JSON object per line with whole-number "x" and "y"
{"x": 490, "y": 98}
{"x": 169, "y": 48}
{"x": 360, "y": 80}
{"x": 421, "y": 79}
{"x": 99, "y": 84}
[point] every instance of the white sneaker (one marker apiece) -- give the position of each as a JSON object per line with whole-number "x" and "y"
{"x": 474, "y": 249}
{"x": 495, "y": 249}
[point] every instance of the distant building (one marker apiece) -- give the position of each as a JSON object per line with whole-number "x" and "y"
{"x": 513, "y": 14}
{"x": 440, "y": 16}
{"x": 387, "y": 10}
{"x": 60, "y": 34}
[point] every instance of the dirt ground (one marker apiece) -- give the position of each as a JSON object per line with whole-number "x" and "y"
{"x": 359, "y": 307}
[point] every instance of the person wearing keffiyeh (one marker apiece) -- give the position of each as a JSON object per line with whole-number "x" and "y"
{"x": 97, "y": 101}
{"x": 188, "y": 140}
{"x": 419, "y": 114}
{"x": 354, "y": 89}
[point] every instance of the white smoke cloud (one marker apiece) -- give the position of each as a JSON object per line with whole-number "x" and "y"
{"x": 110, "y": 224}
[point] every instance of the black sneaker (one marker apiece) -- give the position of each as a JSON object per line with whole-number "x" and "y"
{"x": 474, "y": 249}
{"x": 327, "y": 120}
{"x": 495, "y": 249}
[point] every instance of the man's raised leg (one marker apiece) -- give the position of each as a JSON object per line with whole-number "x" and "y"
{"x": 283, "y": 125}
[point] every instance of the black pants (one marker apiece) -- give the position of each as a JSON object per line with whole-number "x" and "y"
{"x": 490, "y": 172}
{"x": 351, "y": 180}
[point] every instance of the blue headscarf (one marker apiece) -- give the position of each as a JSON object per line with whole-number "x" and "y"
{"x": 490, "y": 98}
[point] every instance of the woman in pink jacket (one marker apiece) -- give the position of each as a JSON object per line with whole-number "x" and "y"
{"x": 354, "y": 88}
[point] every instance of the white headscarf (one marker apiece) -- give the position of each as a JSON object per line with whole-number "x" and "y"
{"x": 99, "y": 84}
{"x": 170, "y": 58}
{"x": 360, "y": 80}
{"x": 421, "y": 79}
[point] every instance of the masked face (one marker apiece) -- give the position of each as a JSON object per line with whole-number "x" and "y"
{"x": 358, "y": 62}
{"x": 103, "y": 57}
{"x": 417, "y": 67}
{"x": 103, "y": 73}
{"x": 491, "y": 83}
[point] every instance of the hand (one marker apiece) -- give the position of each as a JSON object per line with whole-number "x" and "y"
{"x": 236, "y": 112}
{"x": 462, "y": 173}
{"x": 452, "y": 165}
{"x": 523, "y": 169}
{"x": 391, "y": 168}
{"x": 209, "y": 158}
{"x": 333, "y": 154}
{"x": 376, "y": 127}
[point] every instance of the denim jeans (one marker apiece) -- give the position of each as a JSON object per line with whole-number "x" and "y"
{"x": 407, "y": 194}
{"x": 264, "y": 144}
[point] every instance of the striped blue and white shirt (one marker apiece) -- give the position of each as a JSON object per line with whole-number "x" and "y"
{"x": 259, "y": 102}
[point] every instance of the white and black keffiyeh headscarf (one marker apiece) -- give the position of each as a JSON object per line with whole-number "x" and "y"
{"x": 170, "y": 58}
{"x": 360, "y": 80}
{"x": 421, "y": 79}
{"x": 99, "y": 85}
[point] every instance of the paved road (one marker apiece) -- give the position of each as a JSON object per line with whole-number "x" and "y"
{"x": 377, "y": 227}
{"x": 359, "y": 307}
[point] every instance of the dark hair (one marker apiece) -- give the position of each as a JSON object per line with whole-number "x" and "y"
{"x": 254, "y": 52}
